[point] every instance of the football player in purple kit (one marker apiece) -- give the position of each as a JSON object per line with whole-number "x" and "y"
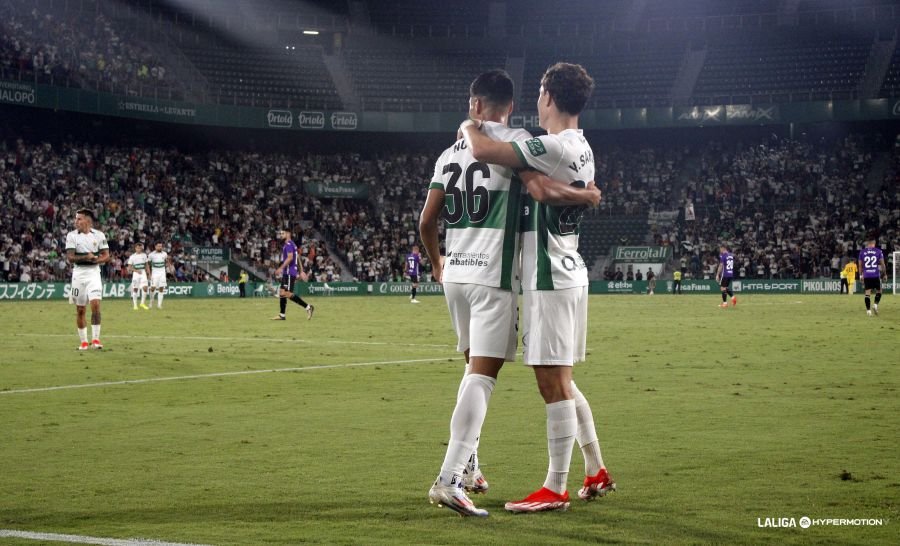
{"x": 724, "y": 275}
{"x": 289, "y": 270}
{"x": 413, "y": 259}
{"x": 873, "y": 270}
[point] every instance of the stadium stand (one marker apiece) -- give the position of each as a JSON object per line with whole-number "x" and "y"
{"x": 234, "y": 52}
{"x": 891, "y": 85}
{"x": 414, "y": 19}
{"x": 790, "y": 209}
{"x": 152, "y": 194}
{"x": 625, "y": 75}
{"x": 77, "y": 48}
{"x": 771, "y": 198}
{"x": 293, "y": 76}
{"x": 768, "y": 69}
{"x": 423, "y": 81}
{"x": 535, "y": 18}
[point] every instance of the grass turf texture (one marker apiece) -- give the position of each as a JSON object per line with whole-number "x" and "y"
{"x": 785, "y": 406}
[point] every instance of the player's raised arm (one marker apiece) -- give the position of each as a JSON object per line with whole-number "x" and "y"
{"x": 553, "y": 192}
{"x": 489, "y": 151}
{"x": 428, "y": 230}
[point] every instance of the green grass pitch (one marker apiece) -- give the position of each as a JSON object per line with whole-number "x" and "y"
{"x": 710, "y": 420}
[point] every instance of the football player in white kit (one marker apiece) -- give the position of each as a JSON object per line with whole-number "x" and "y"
{"x": 137, "y": 265}
{"x": 86, "y": 250}
{"x": 481, "y": 205}
{"x": 554, "y": 281}
{"x": 159, "y": 259}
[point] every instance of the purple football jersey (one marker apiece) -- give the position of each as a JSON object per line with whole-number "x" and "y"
{"x": 727, "y": 261}
{"x": 412, "y": 265}
{"x": 290, "y": 247}
{"x": 869, "y": 260}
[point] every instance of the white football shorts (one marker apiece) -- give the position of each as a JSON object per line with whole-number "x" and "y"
{"x": 485, "y": 319}
{"x": 554, "y": 326}
{"x": 138, "y": 281}
{"x": 86, "y": 286}
{"x": 158, "y": 280}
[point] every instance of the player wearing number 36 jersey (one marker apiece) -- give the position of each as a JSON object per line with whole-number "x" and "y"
{"x": 481, "y": 214}
{"x": 480, "y": 204}
{"x": 555, "y": 280}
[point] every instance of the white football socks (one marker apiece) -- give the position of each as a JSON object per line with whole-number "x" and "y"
{"x": 134, "y": 298}
{"x": 143, "y": 297}
{"x": 95, "y": 330}
{"x": 82, "y": 333}
{"x": 587, "y": 434}
{"x": 159, "y": 299}
{"x": 473, "y": 460}
{"x": 562, "y": 425}
{"x": 460, "y": 389}
{"x": 465, "y": 425}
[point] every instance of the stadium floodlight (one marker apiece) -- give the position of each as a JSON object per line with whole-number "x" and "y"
{"x": 311, "y": 32}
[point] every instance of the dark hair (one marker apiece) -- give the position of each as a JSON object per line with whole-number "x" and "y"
{"x": 494, "y": 87}
{"x": 569, "y": 85}
{"x": 86, "y": 212}
{"x": 872, "y": 235}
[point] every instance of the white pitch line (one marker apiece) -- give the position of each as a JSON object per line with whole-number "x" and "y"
{"x": 81, "y": 539}
{"x": 225, "y": 374}
{"x": 243, "y": 339}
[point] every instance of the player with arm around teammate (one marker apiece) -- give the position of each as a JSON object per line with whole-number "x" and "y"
{"x": 554, "y": 279}
{"x": 481, "y": 205}
{"x": 725, "y": 274}
{"x": 873, "y": 271}
{"x": 86, "y": 249}
{"x": 137, "y": 266}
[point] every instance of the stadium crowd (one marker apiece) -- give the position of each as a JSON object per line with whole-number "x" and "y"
{"x": 73, "y": 48}
{"x": 235, "y": 200}
{"x": 788, "y": 209}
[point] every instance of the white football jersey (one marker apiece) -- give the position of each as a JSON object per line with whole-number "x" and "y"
{"x": 138, "y": 262}
{"x": 93, "y": 241}
{"x": 158, "y": 262}
{"x": 481, "y": 211}
{"x": 550, "y": 258}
